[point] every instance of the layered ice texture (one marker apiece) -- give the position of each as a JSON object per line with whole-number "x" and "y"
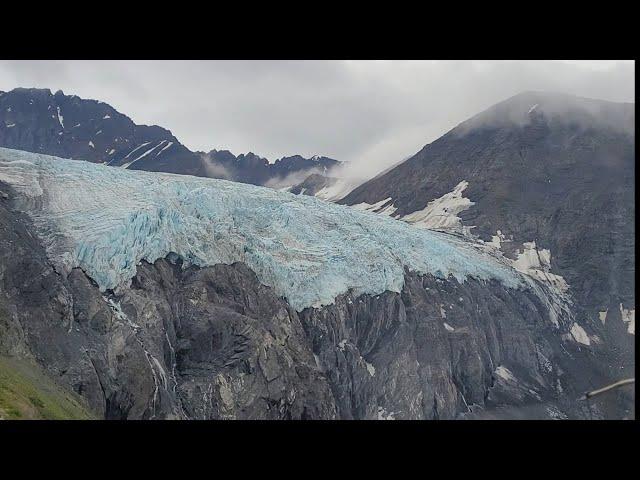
{"x": 105, "y": 220}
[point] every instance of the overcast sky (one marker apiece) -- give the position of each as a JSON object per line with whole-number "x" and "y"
{"x": 373, "y": 113}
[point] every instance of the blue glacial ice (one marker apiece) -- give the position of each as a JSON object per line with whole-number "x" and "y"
{"x": 105, "y": 220}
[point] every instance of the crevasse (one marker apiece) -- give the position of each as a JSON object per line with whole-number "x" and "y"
{"x": 105, "y": 220}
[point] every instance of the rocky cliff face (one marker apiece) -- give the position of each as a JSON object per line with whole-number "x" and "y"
{"x": 215, "y": 343}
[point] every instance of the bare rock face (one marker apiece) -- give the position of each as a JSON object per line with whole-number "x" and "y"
{"x": 230, "y": 347}
{"x": 214, "y": 343}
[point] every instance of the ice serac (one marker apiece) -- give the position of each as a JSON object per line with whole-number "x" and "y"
{"x": 107, "y": 220}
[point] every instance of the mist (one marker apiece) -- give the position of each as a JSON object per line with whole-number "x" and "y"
{"x": 215, "y": 170}
{"x": 556, "y": 108}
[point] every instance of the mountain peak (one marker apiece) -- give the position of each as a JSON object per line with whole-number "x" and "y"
{"x": 31, "y": 91}
{"x": 553, "y": 107}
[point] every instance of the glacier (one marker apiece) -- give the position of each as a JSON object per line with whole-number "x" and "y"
{"x": 106, "y": 220}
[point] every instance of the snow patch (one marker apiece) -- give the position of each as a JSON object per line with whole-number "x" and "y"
{"x": 603, "y": 316}
{"x": 505, "y": 374}
{"x": 164, "y": 148}
{"x": 497, "y": 240}
{"x": 629, "y": 316}
{"x": 370, "y": 368}
{"x": 135, "y": 149}
{"x": 60, "y": 118}
{"x": 448, "y": 327}
{"x": 536, "y": 263}
{"x": 579, "y": 335}
{"x": 380, "y": 207}
{"x": 141, "y": 156}
{"x": 10, "y": 125}
{"x": 442, "y": 213}
{"x": 91, "y": 144}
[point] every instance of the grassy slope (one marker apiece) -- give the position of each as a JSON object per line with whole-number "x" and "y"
{"x": 27, "y": 393}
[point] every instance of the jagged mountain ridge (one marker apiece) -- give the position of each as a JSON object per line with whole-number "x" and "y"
{"x": 191, "y": 339}
{"x": 38, "y": 121}
{"x": 251, "y": 168}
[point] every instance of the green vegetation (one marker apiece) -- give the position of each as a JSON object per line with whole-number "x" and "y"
{"x": 26, "y": 392}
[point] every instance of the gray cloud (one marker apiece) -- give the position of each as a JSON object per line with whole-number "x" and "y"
{"x": 371, "y": 114}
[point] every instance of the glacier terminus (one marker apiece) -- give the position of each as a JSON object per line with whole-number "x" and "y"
{"x": 106, "y": 220}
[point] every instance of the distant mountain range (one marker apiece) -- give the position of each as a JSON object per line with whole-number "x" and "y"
{"x": 67, "y": 126}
